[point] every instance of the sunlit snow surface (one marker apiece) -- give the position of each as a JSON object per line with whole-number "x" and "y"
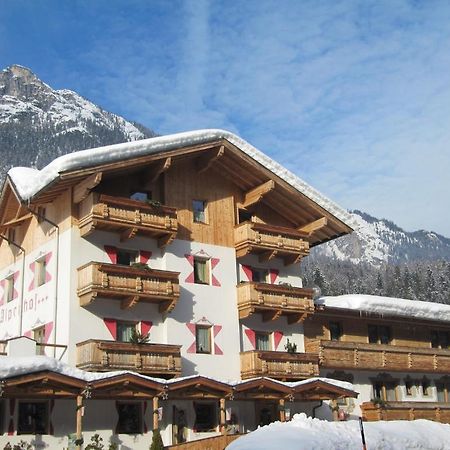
{"x": 305, "y": 433}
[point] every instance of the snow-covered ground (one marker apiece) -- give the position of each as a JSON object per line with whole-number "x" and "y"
{"x": 306, "y": 433}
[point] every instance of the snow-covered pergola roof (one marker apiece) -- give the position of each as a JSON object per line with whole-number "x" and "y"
{"x": 29, "y": 183}
{"x": 19, "y": 373}
{"x": 387, "y": 306}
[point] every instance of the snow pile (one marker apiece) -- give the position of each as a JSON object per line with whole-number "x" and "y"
{"x": 128, "y": 150}
{"x": 306, "y": 433}
{"x": 388, "y": 306}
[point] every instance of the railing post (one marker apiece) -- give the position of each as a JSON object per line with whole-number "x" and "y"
{"x": 223, "y": 427}
{"x": 79, "y": 435}
{"x": 282, "y": 410}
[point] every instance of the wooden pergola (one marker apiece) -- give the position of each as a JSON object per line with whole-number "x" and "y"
{"x": 51, "y": 385}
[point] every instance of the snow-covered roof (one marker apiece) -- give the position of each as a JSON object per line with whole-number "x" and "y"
{"x": 28, "y": 182}
{"x": 388, "y": 306}
{"x": 16, "y": 366}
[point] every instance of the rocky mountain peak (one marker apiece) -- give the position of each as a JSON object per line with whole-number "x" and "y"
{"x": 20, "y": 82}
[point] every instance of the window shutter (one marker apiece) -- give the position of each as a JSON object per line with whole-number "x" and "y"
{"x": 112, "y": 253}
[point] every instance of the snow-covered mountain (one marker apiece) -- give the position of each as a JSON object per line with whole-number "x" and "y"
{"x": 378, "y": 241}
{"x": 38, "y": 123}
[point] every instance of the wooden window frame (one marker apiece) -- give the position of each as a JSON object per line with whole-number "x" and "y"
{"x": 266, "y": 334}
{"x": 40, "y": 271}
{"x": 124, "y": 323}
{"x": 378, "y": 334}
{"x": 339, "y": 327}
{"x": 9, "y": 285}
{"x": 385, "y": 381}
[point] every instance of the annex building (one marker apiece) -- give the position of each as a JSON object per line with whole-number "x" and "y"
{"x": 158, "y": 283}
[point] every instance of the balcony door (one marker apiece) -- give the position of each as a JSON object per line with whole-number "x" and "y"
{"x": 266, "y": 412}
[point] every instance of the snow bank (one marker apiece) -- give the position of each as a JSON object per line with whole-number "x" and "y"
{"x": 27, "y": 186}
{"x": 388, "y": 306}
{"x": 306, "y": 433}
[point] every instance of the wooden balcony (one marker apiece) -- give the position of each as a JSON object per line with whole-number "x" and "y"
{"x": 270, "y": 241}
{"x": 279, "y": 365}
{"x": 149, "y": 359}
{"x": 274, "y": 300}
{"x": 439, "y": 412}
{"x": 352, "y": 355}
{"x": 128, "y": 284}
{"x": 127, "y": 217}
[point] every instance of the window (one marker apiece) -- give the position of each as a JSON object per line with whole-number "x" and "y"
{"x": 379, "y": 334}
{"x": 335, "y": 331}
{"x": 410, "y": 387}
{"x": 426, "y": 387}
{"x": 199, "y": 209}
{"x": 442, "y": 392}
{"x": 262, "y": 341}
{"x": 10, "y": 288}
{"x": 203, "y": 339}
{"x": 126, "y": 257}
{"x": 141, "y": 196}
{"x": 440, "y": 339}
{"x": 201, "y": 270}
{"x": 40, "y": 270}
{"x": 125, "y": 331}
{"x": 244, "y": 216}
{"x": 130, "y": 418}
{"x": 384, "y": 387}
{"x": 260, "y": 275}
{"x": 33, "y": 418}
{"x": 39, "y": 337}
{"x": 205, "y": 417}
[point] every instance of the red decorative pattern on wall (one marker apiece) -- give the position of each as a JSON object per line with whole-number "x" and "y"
{"x": 190, "y": 278}
{"x": 248, "y": 272}
{"x": 48, "y": 328}
{"x": 27, "y": 334}
{"x": 274, "y": 275}
{"x": 111, "y": 324}
{"x": 214, "y": 280}
{"x": 47, "y": 259}
{"x": 216, "y": 331}
{"x": 112, "y": 253}
{"x": 146, "y": 326}
{"x": 15, "y": 278}
{"x": 31, "y": 285}
{"x": 144, "y": 256}
{"x": 12, "y": 407}
{"x": 251, "y": 335}
{"x": 277, "y": 336}
{"x": 192, "y": 348}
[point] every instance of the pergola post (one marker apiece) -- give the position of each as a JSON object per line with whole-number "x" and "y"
{"x": 282, "y": 410}
{"x": 223, "y": 427}
{"x": 79, "y": 431}
{"x": 155, "y": 413}
{"x": 335, "y": 410}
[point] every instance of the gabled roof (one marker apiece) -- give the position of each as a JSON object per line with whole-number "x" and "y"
{"x": 246, "y": 164}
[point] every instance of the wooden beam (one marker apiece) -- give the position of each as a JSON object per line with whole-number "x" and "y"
{"x": 255, "y": 195}
{"x": 271, "y": 315}
{"x": 82, "y": 190}
{"x": 155, "y": 413}
{"x": 18, "y": 220}
{"x": 282, "y": 410}
{"x": 223, "y": 423}
{"x": 129, "y": 302}
{"x": 165, "y": 240}
{"x": 292, "y": 259}
{"x": 79, "y": 429}
{"x": 296, "y": 318}
{"x": 156, "y": 170}
{"x": 312, "y": 227}
{"x": 129, "y": 233}
{"x": 206, "y": 161}
{"x": 267, "y": 256}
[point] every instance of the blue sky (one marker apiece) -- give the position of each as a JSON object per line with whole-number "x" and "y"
{"x": 353, "y": 96}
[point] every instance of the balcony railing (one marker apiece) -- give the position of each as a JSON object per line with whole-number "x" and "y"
{"x": 128, "y": 284}
{"x": 127, "y": 217}
{"x": 149, "y": 359}
{"x": 270, "y": 241}
{"x": 439, "y": 412}
{"x": 279, "y": 365}
{"x": 353, "y": 355}
{"x": 274, "y": 300}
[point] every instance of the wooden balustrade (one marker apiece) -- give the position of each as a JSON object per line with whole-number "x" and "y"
{"x": 353, "y": 355}
{"x": 274, "y": 300}
{"x": 128, "y": 284}
{"x": 279, "y": 365}
{"x": 270, "y": 241}
{"x": 439, "y": 412}
{"x": 128, "y": 217}
{"x": 149, "y": 359}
